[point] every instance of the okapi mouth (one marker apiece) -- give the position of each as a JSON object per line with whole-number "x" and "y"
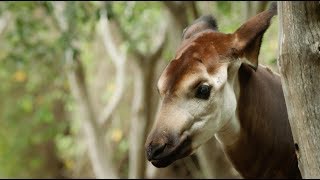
{"x": 181, "y": 150}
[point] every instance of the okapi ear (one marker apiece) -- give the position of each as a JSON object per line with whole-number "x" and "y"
{"x": 248, "y": 37}
{"x": 207, "y": 22}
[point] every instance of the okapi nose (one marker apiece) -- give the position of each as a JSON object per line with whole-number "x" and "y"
{"x": 155, "y": 149}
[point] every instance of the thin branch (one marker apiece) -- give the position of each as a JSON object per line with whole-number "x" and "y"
{"x": 136, "y": 52}
{"x": 119, "y": 59}
{"x": 4, "y": 22}
{"x": 59, "y": 17}
{"x": 155, "y": 56}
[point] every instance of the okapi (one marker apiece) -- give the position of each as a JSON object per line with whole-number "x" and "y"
{"x": 215, "y": 87}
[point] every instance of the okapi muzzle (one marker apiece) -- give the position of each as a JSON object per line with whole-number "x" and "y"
{"x": 167, "y": 143}
{"x": 165, "y": 149}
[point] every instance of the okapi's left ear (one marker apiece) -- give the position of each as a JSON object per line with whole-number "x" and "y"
{"x": 201, "y": 24}
{"x": 247, "y": 39}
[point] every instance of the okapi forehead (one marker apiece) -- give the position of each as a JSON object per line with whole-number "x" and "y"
{"x": 203, "y": 52}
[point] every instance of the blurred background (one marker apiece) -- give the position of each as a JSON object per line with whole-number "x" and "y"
{"x": 78, "y": 85}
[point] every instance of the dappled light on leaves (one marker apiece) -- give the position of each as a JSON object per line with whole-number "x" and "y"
{"x": 20, "y": 76}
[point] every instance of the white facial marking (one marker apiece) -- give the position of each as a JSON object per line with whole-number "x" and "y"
{"x": 213, "y": 114}
{"x": 161, "y": 82}
{"x": 203, "y": 118}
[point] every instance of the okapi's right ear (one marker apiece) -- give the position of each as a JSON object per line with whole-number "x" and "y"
{"x": 247, "y": 39}
{"x": 203, "y": 23}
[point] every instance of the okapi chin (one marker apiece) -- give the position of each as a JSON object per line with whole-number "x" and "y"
{"x": 215, "y": 87}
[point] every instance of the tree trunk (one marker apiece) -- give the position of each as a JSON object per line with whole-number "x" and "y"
{"x": 142, "y": 111}
{"x": 95, "y": 137}
{"x": 179, "y": 12}
{"x": 299, "y": 64}
{"x": 138, "y": 124}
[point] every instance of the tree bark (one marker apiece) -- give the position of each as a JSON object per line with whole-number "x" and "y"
{"x": 299, "y": 64}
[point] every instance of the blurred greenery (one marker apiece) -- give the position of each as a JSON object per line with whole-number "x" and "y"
{"x": 31, "y": 87}
{"x": 36, "y": 107}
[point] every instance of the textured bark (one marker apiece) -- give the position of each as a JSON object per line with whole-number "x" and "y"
{"x": 299, "y": 64}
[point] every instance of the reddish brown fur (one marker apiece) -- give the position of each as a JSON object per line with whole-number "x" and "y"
{"x": 208, "y": 55}
{"x": 265, "y": 148}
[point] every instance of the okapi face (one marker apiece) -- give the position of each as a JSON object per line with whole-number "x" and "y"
{"x": 198, "y": 87}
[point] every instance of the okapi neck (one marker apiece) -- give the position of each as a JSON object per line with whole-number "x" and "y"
{"x": 264, "y": 147}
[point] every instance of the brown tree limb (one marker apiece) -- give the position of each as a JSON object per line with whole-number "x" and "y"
{"x": 179, "y": 12}
{"x": 194, "y": 9}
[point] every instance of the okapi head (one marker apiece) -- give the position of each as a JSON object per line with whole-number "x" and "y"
{"x": 197, "y": 88}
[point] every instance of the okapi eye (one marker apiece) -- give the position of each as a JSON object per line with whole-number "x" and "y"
{"x": 203, "y": 92}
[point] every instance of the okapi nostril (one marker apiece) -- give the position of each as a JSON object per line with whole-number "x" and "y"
{"x": 155, "y": 150}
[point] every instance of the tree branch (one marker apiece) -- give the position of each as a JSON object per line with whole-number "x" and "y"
{"x": 97, "y": 146}
{"x": 178, "y": 11}
{"x": 4, "y": 21}
{"x": 127, "y": 37}
{"x": 154, "y": 57}
{"x": 58, "y": 13}
{"x": 119, "y": 60}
